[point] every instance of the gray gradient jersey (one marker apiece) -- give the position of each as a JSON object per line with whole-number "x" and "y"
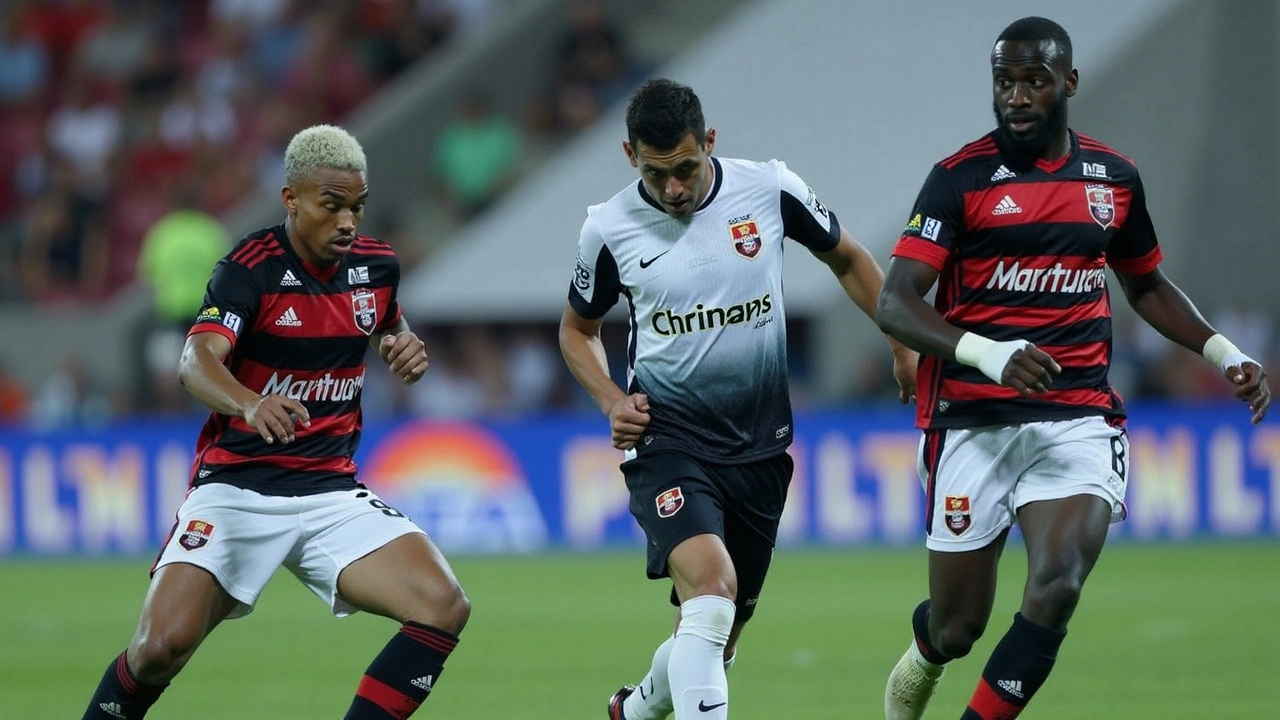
{"x": 708, "y": 341}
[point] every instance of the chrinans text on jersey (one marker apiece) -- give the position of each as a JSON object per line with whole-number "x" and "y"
{"x": 702, "y": 318}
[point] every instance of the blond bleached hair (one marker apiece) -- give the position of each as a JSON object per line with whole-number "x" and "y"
{"x": 322, "y": 146}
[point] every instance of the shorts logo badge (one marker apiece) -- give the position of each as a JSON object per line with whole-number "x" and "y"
{"x": 670, "y": 502}
{"x": 1102, "y": 205}
{"x": 364, "y": 304}
{"x": 956, "y": 511}
{"x": 746, "y": 237}
{"x": 197, "y": 535}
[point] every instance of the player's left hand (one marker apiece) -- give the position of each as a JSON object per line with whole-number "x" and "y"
{"x": 905, "y": 361}
{"x": 1251, "y": 386}
{"x": 405, "y": 354}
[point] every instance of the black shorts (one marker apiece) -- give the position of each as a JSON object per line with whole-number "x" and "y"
{"x": 675, "y": 496}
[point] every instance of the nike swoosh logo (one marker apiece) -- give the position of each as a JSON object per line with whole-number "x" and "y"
{"x": 704, "y": 707}
{"x": 646, "y": 263}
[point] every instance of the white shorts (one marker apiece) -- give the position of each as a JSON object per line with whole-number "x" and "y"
{"x": 242, "y": 537}
{"x": 975, "y": 479}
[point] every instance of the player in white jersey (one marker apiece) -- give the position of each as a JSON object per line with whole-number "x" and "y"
{"x": 696, "y": 247}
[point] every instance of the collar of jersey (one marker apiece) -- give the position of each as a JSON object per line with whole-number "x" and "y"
{"x": 715, "y": 189}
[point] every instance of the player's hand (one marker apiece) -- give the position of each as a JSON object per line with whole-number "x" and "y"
{"x": 628, "y": 419}
{"x": 1251, "y": 386}
{"x": 275, "y": 417}
{"x": 405, "y": 355}
{"x": 1030, "y": 371}
{"x": 905, "y": 361}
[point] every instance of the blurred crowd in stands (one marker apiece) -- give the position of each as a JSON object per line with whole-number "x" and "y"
{"x": 128, "y": 127}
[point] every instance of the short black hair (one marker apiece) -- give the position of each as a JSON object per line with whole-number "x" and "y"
{"x": 1038, "y": 29}
{"x": 661, "y": 112}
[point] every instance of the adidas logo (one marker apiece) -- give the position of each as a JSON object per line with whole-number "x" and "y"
{"x": 423, "y": 682}
{"x": 113, "y": 709}
{"x": 1013, "y": 687}
{"x": 1006, "y": 206}
{"x": 289, "y": 318}
{"x": 1003, "y": 173}
{"x": 290, "y": 280}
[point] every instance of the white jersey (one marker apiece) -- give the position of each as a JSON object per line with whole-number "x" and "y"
{"x": 708, "y": 341}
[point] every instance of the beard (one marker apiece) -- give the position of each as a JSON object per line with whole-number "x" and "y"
{"x": 1027, "y": 149}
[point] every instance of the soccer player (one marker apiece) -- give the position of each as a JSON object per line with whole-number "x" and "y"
{"x": 277, "y": 352}
{"x": 696, "y": 247}
{"x": 1020, "y": 424}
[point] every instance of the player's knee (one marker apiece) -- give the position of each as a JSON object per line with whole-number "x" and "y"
{"x": 956, "y": 637}
{"x": 1051, "y": 601}
{"x": 157, "y": 656}
{"x": 709, "y": 617}
{"x": 446, "y": 607}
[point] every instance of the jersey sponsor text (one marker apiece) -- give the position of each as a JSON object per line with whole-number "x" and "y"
{"x": 327, "y": 388}
{"x": 702, "y": 318}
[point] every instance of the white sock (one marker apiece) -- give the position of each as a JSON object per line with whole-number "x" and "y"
{"x": 923, "y": 662}
{"x": 695, "y": 669}
{"x": 652, "y": 698}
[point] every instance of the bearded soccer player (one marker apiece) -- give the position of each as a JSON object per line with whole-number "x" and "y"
{"x": 696, "y": 246}
{"x": 1020, "y": 424}
{"x": 277, "y": 353}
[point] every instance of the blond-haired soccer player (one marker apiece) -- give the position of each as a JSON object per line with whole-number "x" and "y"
{"x": 277, "y": 353}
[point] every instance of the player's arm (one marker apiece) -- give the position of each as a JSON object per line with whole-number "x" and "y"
{"x": 861, "y": 277}
{"x": 202, "y": 370}
{"x": 1166, "y": 308}
{"x": 594, "y": 289}
{"x": 807, "y": 221}
{"x": 584, "y": 354}
{"x": 1134, "y": 255}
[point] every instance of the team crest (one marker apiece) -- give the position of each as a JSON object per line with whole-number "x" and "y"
{"x": 1102, "y": 205}
{"x": 365, "y": 306}
{"x": 956, "y": 512}
{"x": 746, "y": 237}
{"x": 670, "y": 502}
{"x": 197, "y": 535}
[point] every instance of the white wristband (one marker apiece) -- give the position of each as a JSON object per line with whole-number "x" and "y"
{"x": 1220, "y": 351}
{"x": 986, "y": 354}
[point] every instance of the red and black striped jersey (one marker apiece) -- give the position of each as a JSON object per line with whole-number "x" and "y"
{"x": 299, "y": 331}
{"x": 1023, "y": 254}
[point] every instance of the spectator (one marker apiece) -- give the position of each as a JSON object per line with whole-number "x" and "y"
{"x": 177, "y": 257}
{"x": 70, "y": 398}
{"x": 116, "y": 47}
{"x": 63, "y": 249}
{"x": 24, "y": 63}
{"x": 85, "y": 131}
{"x": 477, "y": 157}
{"x": 13, "y": 398}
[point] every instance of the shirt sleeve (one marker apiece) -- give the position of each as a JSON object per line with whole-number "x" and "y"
{"x": 595, "y": 287}
{"x": 392, "y": 317}
{"x": 804, "y": 218}
{"x": 1134, "y": 248}
{"x": 937, "y": 220}
{"x": 231, "y": 302}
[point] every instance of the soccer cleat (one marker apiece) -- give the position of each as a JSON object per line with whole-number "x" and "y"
{"x": 615, "y": 702}
{"x": 909, "y": 689}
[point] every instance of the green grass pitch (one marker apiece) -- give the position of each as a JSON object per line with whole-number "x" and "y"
{"x": 1170, "y": 632}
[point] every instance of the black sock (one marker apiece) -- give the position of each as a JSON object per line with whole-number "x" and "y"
{"x": 1017, "y": 668}
{"x": 120, "y": 696}
{"x": 920, "y": 626}
{"x": 400, "y": 678}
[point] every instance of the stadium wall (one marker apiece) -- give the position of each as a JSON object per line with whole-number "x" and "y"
{"x": 554, "y": 483}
